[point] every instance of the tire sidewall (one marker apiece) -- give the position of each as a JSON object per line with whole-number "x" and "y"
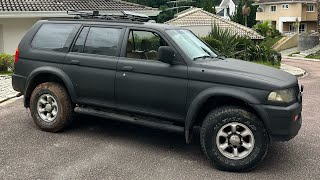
{"x": 34, "y": 112}
{"x": 243, "y": 117}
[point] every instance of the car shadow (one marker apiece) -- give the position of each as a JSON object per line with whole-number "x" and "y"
{"x": 169, "y": 141}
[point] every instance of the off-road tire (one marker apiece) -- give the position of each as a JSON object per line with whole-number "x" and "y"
{"x": 219, "y": 117}
{"x": 65, "y": 106}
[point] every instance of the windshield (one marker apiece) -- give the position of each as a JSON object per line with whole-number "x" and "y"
{"x": 190, "y": 44}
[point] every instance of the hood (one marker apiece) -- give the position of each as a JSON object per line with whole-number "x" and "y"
{"x": 248, "y": 74}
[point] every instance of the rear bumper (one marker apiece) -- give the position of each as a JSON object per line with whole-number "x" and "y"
{"x": 281, "y": 122}
{"x": 18, "y": 83}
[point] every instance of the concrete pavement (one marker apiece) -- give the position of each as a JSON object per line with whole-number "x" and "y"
{"x": 94, "y": 148}
{"x": 6, "y": 90}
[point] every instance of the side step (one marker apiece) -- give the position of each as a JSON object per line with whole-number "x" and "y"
{"x": 129, "y": 119}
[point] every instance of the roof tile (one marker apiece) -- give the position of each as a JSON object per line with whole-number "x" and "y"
{"x": 64, "y": 5}
{"x": 197, "y": 16}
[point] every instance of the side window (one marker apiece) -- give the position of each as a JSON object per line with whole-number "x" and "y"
{"x": 102, "y": 41}
{"x": 144, "y": 45}
{"x": 78, "y": 46}
{"x": 53, "y": 37}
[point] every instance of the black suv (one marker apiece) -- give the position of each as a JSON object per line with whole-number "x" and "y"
{"x": 158, "y": 76}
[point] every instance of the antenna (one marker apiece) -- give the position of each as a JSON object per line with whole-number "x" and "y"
{"x": 176, "y": 4}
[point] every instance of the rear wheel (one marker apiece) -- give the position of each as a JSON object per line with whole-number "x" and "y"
{"x": 234, "y": 139}
{"x": 51, "y": 107}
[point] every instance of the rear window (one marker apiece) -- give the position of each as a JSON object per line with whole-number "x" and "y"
{"x": 53, "y": 37}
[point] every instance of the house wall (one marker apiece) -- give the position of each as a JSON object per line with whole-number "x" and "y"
{"x": 309, "y": 16}
{"x": 283, "y": 17}
{"x": 311, "y": 26}
{"x": 286, "y": 26}
{"x": 13, "y": 29}
{"x": 294, "y": 10}
{"x": 200, "y": 31}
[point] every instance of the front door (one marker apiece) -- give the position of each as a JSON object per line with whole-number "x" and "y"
{"x": 92, "y": 64}
{"x": 146, "y": 85}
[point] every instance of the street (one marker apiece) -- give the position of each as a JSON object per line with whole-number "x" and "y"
{"x": 94, "y": 148}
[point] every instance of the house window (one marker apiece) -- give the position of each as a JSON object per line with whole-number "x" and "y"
{"x": 310, "y": 8}
{"x": 285, "y": 6}
{"x": 273, "y": 8}
{"x": 302, "y": 28}
{"x": 292, "y": 28}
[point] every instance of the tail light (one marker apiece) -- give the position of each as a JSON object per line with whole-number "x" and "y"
{"x": 16, "y": 57}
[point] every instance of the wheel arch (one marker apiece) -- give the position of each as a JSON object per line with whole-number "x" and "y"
{"x": 48, "y": 74}
{"x": 221, "y": 96}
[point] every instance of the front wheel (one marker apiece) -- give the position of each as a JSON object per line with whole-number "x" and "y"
{"x": 234, "y": 139}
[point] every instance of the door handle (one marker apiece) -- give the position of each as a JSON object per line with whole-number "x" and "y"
{"x": 75, "y": 62}
{"x": 127, "y": 68}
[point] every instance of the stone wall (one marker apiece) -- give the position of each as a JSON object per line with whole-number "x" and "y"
{"x": 307, "y": 41}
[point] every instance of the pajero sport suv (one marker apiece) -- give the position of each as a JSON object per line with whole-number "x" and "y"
{"x": 159, "y": 76}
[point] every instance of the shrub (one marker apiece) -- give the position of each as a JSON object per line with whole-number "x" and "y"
{"x": 233, "y": 46}
{"x": 266, "y": 29}
{"x": 6, "y": 62}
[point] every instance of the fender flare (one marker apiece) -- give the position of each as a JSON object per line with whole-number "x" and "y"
{"x": 54, "y": 71}
{"x": 205, "y": 95}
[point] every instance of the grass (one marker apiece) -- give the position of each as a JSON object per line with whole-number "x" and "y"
{"x": 270, "y": 41}
{"x": 294, "y": 53}
{"x": 267, "y": 63}
{"x": 314, "y": 56}
{"x": 6, "y": 73}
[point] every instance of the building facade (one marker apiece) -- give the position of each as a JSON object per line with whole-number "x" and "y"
{"x": 289, "y": 16}
{"x": 227, "y": 8}
{"x": 17, "y": 16}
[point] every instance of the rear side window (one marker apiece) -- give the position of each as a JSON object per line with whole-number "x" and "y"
{"x": 102, "y": 41}
{"x": 78, "y": 46}
{"x": 53, "y": 37}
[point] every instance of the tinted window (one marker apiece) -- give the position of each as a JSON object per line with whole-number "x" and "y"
{"x": 52, "y": 37}
{"x": 144, "y": 45}
{"x": 103, "y": 41}
{"x": 78, "y": 46}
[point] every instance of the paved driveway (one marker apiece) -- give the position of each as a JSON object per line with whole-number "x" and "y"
{"x": 100, "y": 149}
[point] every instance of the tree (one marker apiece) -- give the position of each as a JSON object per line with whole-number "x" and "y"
{"x": 208, "y": 5}
{"x": 250, "y": 18}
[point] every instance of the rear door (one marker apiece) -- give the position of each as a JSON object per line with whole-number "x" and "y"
{"x": 92, "y": 62}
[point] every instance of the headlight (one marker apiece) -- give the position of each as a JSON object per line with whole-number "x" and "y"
{"x": 282, "y": 96}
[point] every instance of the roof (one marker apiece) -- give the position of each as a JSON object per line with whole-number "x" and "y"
{"x": 283, "y": 1}
{"x": 54, "y": 6}
{"x": 224, "y": 2}
{"x": 199, "y": 17}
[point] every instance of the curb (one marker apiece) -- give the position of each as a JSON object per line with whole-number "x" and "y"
{"x": 300, "y": 58}
{"x": 18, "y": 94}
{"x": 12, "y": 95}
{"x": 296, "y": 71}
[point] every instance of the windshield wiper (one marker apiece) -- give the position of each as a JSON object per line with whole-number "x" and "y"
{"x": 202, "y": 57}
{"x": 221, "y": 57}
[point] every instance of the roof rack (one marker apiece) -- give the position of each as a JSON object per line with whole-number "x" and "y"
{"x": 125, "y": 16}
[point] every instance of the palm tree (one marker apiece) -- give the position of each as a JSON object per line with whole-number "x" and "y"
{"x": 246, "y": 12}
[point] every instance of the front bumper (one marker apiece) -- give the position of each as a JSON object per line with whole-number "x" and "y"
{"x": 282, "y": 123}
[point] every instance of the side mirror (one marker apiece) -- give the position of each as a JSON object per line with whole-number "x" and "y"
{"x": 166, "y": 54}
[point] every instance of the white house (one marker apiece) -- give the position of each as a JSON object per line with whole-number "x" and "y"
{"x": 17, "y": 16}
{"x": 227, "y": 8}
{"x": 200, "y": 23}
